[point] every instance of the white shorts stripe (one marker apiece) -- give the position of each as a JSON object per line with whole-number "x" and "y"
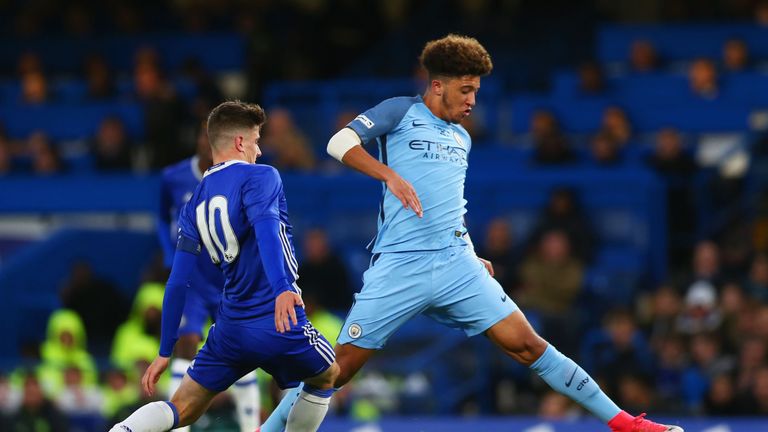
{"x": 316, "y": 342}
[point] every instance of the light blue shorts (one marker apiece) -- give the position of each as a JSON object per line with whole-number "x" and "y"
{"x": 450, "y": 286}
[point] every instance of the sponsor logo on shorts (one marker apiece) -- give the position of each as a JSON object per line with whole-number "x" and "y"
{"x": 355, "y": 331}
{"x": 504, "y": 298}
{"x": 126, "y": 428}
{"x": 365, "y": 120}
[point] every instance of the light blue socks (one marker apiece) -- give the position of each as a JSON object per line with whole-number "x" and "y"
{"x": 567, "y": 378}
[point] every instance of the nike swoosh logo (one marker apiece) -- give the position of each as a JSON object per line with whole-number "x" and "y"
{"x": 504, "y": 298}
{"x": 416, "y": 124}
{"x": 570, "y": 380}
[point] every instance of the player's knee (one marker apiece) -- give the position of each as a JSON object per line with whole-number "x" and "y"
{"x": 526, "y": 349}
{"x": 327, "y": 379}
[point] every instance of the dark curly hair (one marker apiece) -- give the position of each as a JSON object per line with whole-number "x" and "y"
{"x": 233, "y": 115}
{"x": 454, "y": 56}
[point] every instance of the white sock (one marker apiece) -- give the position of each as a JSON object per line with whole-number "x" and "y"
{"x": 152, "y": 417}
{"x": 179, "y": 368}
{"x": 246, "y": 395}
{"x": 307, "y": 413}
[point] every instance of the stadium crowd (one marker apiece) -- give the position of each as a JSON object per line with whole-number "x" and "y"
{"x": 697, "y": 343}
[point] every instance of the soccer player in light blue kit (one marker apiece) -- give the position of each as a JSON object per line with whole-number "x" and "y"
{"x": 177, "y": 186}
{"x": 423, "y": 260}
{"x": 238, "y": 218}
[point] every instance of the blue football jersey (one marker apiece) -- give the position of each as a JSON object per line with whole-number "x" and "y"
{"x": 178, "y": 183}
{"x": 431, "y": 154}
{"x": 221, "y": 220}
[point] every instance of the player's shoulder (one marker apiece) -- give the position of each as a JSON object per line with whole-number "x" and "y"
{"x": 176, "y": 169}
{"x": 399, "y": 104}
{"x": 265, "y": 175}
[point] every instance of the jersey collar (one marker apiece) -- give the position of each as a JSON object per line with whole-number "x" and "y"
{"x": 220, "y": 166}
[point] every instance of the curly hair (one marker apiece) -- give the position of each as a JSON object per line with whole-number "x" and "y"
{"x": 454, "y": 56}
{"x": 233, "y": 115}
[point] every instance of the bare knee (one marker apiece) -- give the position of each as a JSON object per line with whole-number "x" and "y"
{"x": 327, "y": 379}
{"x": 528, "y": 349}
{"x": 518, "y": 339}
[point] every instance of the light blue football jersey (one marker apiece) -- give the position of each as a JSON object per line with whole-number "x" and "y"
{"x": 431, "y": 154}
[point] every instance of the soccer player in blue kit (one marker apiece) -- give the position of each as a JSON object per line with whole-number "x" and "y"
{"x": 423, "y": 260}
{"x": 178, "y": 184}
{"x": 238, "y": 217}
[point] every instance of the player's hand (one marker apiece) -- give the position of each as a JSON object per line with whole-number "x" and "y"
{"x": 405, "y": 192}
{"x": 488, "y": 265}
{"x": 285, "y": 310}
{"x": 149, "y": 380}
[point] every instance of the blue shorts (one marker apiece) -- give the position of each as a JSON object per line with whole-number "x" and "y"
{"x": 197, "y": 310}
{"x": 450, "y": 286}
{"x": 235, "y": 348}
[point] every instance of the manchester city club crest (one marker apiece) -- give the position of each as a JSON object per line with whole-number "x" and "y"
{"x": 355, "y": 331}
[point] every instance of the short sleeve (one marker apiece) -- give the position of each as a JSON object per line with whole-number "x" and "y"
{"x": 261, "y": 195}
{"x": 381, "y": 119}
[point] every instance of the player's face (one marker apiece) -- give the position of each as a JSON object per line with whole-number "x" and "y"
{"x": 458, "y": 97}
{"x": 251, "y": 144}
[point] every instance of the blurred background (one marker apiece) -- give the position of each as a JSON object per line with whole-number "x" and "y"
{"x": 618, "y": 180}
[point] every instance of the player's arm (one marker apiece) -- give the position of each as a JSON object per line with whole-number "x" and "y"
{"x": 261, "y": 199}
{"x": 272, "y": 249}
{"x": 184, "y": 261}
{"x": 345, "y": 146}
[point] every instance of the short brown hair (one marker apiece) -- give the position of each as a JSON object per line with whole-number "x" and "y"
{"x": 454, "y": 56}
{"x": 233, "y": 115}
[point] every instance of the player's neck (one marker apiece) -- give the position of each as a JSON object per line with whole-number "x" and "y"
{"x": 226, "y": 157}
{"x": 434, "y": 104}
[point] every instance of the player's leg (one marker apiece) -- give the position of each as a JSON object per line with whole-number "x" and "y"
{"x": 515, "y": 336}
{"x": 350, "y": 360}
{"x": 312, "y": 401}
{"x": 188, "y": 403}
{"x": 469, "y": 298}
{"x": 246, "y": 394}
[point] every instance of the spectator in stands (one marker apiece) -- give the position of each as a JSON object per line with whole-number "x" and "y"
{"x": 285, "y": 144}
{"x": 615, "y": 123}
{"x": 617, "y": 348}
{"x": 761, "y": 13}
{"x": 670, "y": 366}
{"x": 34, "y": 88}
{"x": 757, "y": 282}
{"x": 37, "y": 413}
{"x": 705, "y": 265}
{"x": 736, "y": 252}
{"x": 86, "y": 294}
{"x": 207, "y": 92}
{"x": 634, "y": 391}
{"x": 666, "y": 306}
{"x": 591, "y": 79}
{"x": 45, "y": 157}
{"x": 550, "y": 145}
{"x": 163, "y": 111}
{"x": 65, "y": 347}
{"x": 722, "y": 399}
{"x": 554, "y": 406}
{"x": 702, "y": 79}
{"x": 564, "y": 213}
{"x": 28, "y": 62}
{"x": 138, "y": 339}
{"x": 324, "y": 275}
{"x": 110, "y": 147}
{"x": 753, "y": 355}
{"x": 733, "y": 304}
{"x": 756, "y": 402}
{"x": 551, "y": 279}
{"x": 700, "y": 312}
{"x": 708, "y": 362}
{"x": 643, "y": 57}
{"x": 498, "y": 248}
{"x": 119, "y": 393}
{"x": 605, "y": 151}
{"x": 78, "y": 397}
{"x": 99, "y": 79}
{"x": 10, "y": 397}
{"x": 735, "y": 55}
{"x": 677, "y": 168}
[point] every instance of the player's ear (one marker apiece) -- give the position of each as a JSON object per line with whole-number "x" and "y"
{"x": 437, "y": 87}
{"x": 239, "y": 143}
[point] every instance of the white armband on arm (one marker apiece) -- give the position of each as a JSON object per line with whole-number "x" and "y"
{"x": 342, "y": 142}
